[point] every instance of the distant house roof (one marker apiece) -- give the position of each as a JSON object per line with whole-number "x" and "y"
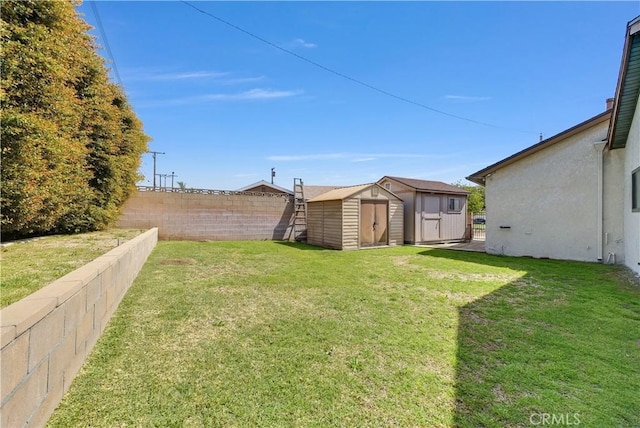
{"x": 480, "y": 177}
{"x": 266, "y": 184}
{"x": 346, "y": 192}
{"x": 427, "y": 185}
{"x": 311, "y": 192}
{"x": 628, "y": 88}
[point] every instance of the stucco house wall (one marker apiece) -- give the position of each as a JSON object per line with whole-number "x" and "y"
{"x": 543, "y": 205}
{"x": 632, "y": 219}
{"x": 624, "y": 137}
{"x": 570, "y": 196}
{"x": 613, "y": 238}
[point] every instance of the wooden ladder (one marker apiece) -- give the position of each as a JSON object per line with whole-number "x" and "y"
{"x": 300, "y": 211}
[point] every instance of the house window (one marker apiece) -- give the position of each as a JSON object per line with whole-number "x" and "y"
{"x": 455, "y": 205}
{"x": 387, "y": 186}
{"x": 635, "y": 190}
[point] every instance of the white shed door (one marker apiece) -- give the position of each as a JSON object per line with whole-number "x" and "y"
{"x": 430, "y": 218}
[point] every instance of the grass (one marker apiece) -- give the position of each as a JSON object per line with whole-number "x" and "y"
{"x": 29, "y": 265}
{"x": 277, "y": 334}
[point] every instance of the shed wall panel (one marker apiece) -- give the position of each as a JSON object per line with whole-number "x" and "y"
{"x": 351, "y": 224}
{"x": 408, "y": 196}
{"x": 396, "y": 222}
{"x": 453, "y": 224}
{"x": 332, "y": 216}
{"x": 408, "y": 199}
{"x": 315, "y": 229}
{"x": 336, "y": 223}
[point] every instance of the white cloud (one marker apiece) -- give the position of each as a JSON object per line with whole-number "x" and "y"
{"x": 465, "y": 98}
{"x": 224, "y": 78}
{"x": 253, "y": 94}
{"x": 290, "y": 158}
{"x": 187, "y": 75}
{"x": 301, "y": 43}
{"x": 350, "y": 157}
{"x": 240, "y": 80}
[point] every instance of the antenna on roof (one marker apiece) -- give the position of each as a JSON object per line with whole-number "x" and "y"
{"x": 541, "y": 136}
{"x": 273, "y": 174}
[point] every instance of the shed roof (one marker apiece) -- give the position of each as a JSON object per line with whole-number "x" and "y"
{"x": 627, "y": 89}
{"x": 342, "y": 193}
{"x": 480, "y": 177}
{"x": 311, "y": 192}
{"x": 428, "y": 185}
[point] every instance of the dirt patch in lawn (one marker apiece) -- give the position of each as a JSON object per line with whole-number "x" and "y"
{"x": 181, "y": 261}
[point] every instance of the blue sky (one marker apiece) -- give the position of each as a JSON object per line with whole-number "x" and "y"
{"x": 226, "y": 107}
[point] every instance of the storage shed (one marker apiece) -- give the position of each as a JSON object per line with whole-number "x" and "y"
{"x": 349, "y": 218}
{"x": 433, "y": 211}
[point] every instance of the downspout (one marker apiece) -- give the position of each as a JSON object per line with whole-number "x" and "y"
{"x": 599, "y": 147}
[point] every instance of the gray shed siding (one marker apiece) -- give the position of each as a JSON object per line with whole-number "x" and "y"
{"x": 408, "y": 196}
{"x": 452, "y": 224}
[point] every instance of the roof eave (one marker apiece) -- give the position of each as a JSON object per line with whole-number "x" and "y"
{"x": 420, "y": 189}
{"x": 627, "y": 88}
{"x": 479, "y": 177}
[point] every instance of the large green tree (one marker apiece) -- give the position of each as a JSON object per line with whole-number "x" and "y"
{"x": 71, "y": 144}
{"x": 475, "y": 200}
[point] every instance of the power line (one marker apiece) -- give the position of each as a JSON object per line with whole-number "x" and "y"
{"x": 352, "y": 79}
{"x": 106, "y": 42}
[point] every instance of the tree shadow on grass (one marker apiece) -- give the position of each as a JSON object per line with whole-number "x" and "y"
{"x": 557, "y": 346}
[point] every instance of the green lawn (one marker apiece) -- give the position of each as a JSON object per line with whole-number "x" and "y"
{"x": 29, "y": 265}
{"x": 275, "y": 334}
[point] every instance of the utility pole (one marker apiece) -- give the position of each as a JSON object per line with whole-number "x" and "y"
{"x": 173, "y": 174}
{"x": 154, "y": 166}
{"x": 165, "y": 180}
{"x": 273, "y": 174}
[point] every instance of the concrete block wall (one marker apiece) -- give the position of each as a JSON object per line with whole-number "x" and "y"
{"x": 47, "y": 336}
{"x": 214, "y": 216}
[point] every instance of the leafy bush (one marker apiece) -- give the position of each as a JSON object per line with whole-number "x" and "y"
{"x": 71, "y": 144}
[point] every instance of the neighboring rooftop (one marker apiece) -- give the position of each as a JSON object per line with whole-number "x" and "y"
{"x": 269, "y": 188}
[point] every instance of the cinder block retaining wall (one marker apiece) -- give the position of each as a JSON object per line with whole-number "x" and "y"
{"x": 47, "y": 336}
{"x": 210, "y": 214}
